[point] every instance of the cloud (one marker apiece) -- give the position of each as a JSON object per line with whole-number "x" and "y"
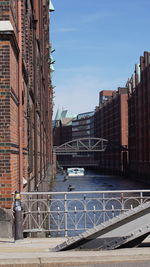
{"x": 95, "y": 45}
{"x": 87, "y": 18}
{"x": 80, "y": 69}
{"x": 78, "y": 45}
{"x": 66, "y": 30}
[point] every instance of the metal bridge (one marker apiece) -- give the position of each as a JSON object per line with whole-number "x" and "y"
{"x": 80, "y": 163}
{"x": 81, "y": 151}
{"x": 90, "y": 144}
{"x": 93, "y": 219}
{"x": 93, "y": 144}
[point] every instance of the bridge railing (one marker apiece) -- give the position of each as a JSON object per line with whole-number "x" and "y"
{"x": 70, "y": 213}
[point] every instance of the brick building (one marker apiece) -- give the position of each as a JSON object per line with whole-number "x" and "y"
{"x": 25, "y": 96}
{"x": 62, "y": 132}
{"x": 111, "y": 123}
{"x": 105, "y": 95}
{"x": 139, "y": 120}
{"x": 83, "y": 127}
{"x": 62, "y": 129}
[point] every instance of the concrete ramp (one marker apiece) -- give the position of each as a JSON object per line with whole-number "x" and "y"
{"x": 126, "y": 230}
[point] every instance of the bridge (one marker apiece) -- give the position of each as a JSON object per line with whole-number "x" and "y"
{"x": 92, "y": 219}
{"x": 72, "y": 147}
{"x": 90, "y": 144}
{"x": 79, "y": 162}
{"x": 81, "y": 151}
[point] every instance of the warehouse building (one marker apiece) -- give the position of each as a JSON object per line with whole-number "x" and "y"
{"x": 26, "y": 97}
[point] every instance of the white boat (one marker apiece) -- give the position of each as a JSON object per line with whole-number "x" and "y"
{"x": 75, "y": 171}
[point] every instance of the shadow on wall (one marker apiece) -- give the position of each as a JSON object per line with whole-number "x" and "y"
{"x": 6, "y": 223}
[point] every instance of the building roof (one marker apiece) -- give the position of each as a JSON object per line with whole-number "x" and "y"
{"x": 64, "y": 117}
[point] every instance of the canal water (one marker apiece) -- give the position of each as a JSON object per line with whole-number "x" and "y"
{"x": 94, "y": 181}
{"x": 68, "y": 217}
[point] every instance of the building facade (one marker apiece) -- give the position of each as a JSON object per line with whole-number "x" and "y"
{"x": 111, "y": 123}
{"x": 62, "y": 133}
{"x": 105, "y": 95}
{"x": 62, "y": 128}
{"x": 26, "y": 97}
{"x": 83, "y": 125}
{"x": 139, "y": 120}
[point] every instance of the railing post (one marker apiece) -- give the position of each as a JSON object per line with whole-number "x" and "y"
{"x": 104, "y": 207}
{"x": 122, "y": 203}
{"x": 94, "y": 215}
{"x": 85, "y": 210}
{"x": 75, "y": 217}
{"x": 18, "y": 220}
{"x": 141, "y": 197}
{"x": 58, "y": 216}
{"x": 66, "y": 211}
{"x": 113, "y": 211}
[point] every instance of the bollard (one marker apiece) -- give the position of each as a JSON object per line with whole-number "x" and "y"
{"x": 18, "y": 220}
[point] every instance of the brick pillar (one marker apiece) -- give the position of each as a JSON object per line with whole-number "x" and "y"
{"x": 8, "y": 116}
{"x": 5, "y": 179}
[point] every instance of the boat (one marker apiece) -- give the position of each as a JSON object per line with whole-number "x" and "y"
{"x": 75, "y": 171}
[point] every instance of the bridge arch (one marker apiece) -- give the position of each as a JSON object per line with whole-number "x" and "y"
{"x": 90, "y": 144}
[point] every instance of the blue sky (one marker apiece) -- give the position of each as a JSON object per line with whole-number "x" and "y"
{"x": 97, "y": 43}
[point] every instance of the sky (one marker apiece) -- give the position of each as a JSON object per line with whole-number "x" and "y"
{"x": 97, "y": 44}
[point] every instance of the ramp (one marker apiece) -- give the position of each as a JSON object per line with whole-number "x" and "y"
{"x": 126, "y": 230}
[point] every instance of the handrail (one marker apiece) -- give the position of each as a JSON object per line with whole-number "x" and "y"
{"x": 85, "y": 192}
{"x": 71, "y": 212}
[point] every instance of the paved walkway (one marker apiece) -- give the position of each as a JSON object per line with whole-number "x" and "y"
{"x": 37, "y": 253}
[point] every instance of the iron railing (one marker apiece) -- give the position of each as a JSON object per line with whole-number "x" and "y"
{"x": 70, "y": 213}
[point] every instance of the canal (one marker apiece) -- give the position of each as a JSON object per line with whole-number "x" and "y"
{"x": 94, "y": 181}
{"x": 74, "y": 213}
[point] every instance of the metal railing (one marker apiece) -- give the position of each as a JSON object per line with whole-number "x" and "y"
{"x": 70, "y": 213}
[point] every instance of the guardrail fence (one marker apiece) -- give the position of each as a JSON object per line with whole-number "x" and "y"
{"x": 70, "y": 213}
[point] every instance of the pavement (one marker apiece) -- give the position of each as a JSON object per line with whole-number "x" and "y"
{"x": 36, "y": 252}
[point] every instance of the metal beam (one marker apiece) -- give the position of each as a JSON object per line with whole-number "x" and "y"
{"x": 126, "y": 230}
{"x": 93, "y": 144}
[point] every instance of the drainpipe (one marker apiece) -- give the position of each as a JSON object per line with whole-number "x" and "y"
{"x": 20, "y": 98}
{"x": 35, "y": 107}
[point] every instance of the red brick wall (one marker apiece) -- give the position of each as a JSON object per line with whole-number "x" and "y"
{"x": 124, "y": 119}
{"x": 139, "y": 123}
{"x": 111, "y": 123}
{"x": 34, "y": 106}
{"x": 5, "y": 167}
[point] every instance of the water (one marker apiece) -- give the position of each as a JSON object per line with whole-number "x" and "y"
{"x": 93, "y": 181}
{"x": 97, "y": 209}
